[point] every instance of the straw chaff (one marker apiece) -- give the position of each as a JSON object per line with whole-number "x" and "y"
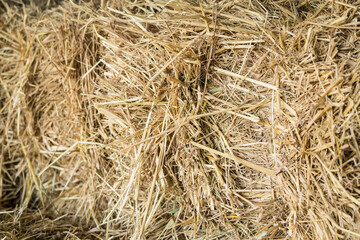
{"x": 180, "y": 119}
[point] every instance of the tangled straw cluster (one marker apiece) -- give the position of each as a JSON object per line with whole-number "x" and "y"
{"x": 180, "y": 119}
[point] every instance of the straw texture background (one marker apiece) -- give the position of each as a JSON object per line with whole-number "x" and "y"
{"x": 180, "y": 119}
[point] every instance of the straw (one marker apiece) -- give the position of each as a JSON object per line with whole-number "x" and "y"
{"x": 179, "y": 119}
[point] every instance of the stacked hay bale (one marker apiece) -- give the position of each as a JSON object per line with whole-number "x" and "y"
{"x": 180, "y": 119}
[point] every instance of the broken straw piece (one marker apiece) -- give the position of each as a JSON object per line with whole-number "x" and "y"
{"x": 231, "y": 74}
{"x": 236, "y": 159}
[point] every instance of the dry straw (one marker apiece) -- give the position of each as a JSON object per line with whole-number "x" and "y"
{"x": 180, "y": 119}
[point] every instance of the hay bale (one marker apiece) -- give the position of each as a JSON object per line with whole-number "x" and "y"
{"x": 184, "y": 119}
